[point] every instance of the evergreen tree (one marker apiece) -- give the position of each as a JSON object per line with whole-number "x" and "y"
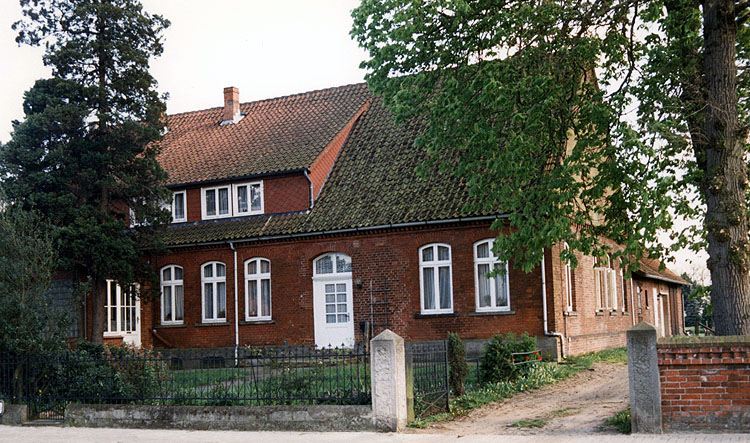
{"x": 582, "y": 119}
{"x": 86, "y": 152}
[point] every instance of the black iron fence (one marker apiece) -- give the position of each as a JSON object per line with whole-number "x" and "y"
{"x": 205, "y": 377}
{"x": 429, "y": 365}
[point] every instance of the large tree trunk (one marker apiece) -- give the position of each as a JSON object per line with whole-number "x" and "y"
{"x": 725, "y": 174}
{"x": 98, "y": 299}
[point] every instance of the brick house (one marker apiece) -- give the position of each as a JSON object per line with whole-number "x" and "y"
{"x": 301, "y": 220}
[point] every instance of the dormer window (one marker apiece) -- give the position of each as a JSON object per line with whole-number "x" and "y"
{"x": 248, "y": 198}
{"x": 179, "y": 211}
{"x": 215, "y": 202}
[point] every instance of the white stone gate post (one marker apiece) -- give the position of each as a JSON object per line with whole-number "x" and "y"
{"x": 388, "y": 378}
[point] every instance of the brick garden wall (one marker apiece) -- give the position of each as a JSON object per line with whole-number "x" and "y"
{"x": 705, "y": 383}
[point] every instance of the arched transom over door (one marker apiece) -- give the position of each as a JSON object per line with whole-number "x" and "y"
{"x": 332, "y": 300}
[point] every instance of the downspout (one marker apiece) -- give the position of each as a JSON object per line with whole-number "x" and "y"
{"x": 632, "y": 300}
{"x": 312, "y": 197}
{"x": 547, "y": 332}
{"x": 236, "y": 306}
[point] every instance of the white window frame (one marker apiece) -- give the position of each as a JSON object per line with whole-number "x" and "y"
{"x": 174, "y": 207}
{"x": 605, "y": 279}
{"x": 120, "y": 321}
{"x": 172, "y": 284}
{"x": 256, "y": 279}
{"x": 568, "y": 279}
{"x": 236, "y": 203}
{"x": 336, "y": 273}
{"x": 491, "y": 260}
{"x": 214, "y": 281}
{"x": 435, "y": 264}
{"x": 204, "y": 212}
{"x": 336, "y": 277}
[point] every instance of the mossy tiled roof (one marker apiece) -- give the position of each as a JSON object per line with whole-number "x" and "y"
{"x": 275, "y": 135}
{"x": 373, "y": 183}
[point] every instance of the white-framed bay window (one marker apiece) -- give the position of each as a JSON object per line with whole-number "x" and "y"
{"x": 435, "y": 279}
{"x": 172, "y": 295}
{"x": 179, "y": 206}
{"x": 492, "y": 292}
{"x": 257, "y": 289}
{"x": 605, "y": 284}
{"x": 214, "y": 292}
{"x": 248, "y": 198}
{"x": 215, "y": 202}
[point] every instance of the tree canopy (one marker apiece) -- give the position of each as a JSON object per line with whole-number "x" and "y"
{"x": 582, "y": 119}
{"x": 86, "y": 152}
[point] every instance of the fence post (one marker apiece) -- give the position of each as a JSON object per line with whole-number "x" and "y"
{"x": 388, "y": 378}
{"x": 643, "y": 375}
{"x": 409, "y": 388}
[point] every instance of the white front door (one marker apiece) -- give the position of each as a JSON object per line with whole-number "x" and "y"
{"x": 122, "y": 314}
{"x": 333, "y": 312}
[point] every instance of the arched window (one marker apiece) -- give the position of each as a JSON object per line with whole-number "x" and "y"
{"x": 257, "y": 289}
{"x": 568, "y": 278}
{"x": 332, "y": 263}
{"x": 605, "y": 284}
{"x": 435, "y": 279}
{"x": 492, "y": 293}
{"x": 214, "y": 291}
{"x": 172, "y": 294}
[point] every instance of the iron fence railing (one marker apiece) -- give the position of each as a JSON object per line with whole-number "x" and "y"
{"x": 205, "y": 377}
{"x": 429, "y": 366}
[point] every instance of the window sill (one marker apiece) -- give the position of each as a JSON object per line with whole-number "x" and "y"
{"x": 487, "y": 313}
{"x": 179, "y": 325}
{"x": 218, "y": 323}
{"x": 570, "y": 313}
{"x": 600, "y": 313}
{"x": 446, "y": 314}
{"x": 257, "y": 322}
{"x": 614, "y": 313}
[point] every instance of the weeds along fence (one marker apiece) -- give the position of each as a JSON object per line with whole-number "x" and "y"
{"x": 203, "y": 377}
{"x": 428, "y": 362}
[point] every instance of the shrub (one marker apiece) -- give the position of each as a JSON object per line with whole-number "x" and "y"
{"x": 459, "y": 370}
{"x": 621, "y": 421}
{"x": 497, "y": 363}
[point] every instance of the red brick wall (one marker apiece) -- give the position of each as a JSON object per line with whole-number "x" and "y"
{"x": 705, "y": 383}
{"x": 389, "y": 260}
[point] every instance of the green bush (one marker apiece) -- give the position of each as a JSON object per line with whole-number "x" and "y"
{"x": 459, "y": 370}
{"x": 498, "y": 363}
{"x": 621, "y": 421}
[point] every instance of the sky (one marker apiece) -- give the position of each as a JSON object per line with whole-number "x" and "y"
{"x": 266, "y": 48}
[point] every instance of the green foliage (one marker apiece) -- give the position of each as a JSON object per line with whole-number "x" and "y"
{"x": 498, "y": 362}
{"x": 31, "y": 325}
{"x": 697, "y": 303}
{"x": 83, "y": 176}
{"x": 608, "y": 115}
{"x": 459, "y": 370}
{"x": 621, "y": 421}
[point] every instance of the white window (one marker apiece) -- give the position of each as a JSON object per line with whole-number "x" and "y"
{"x": 605, "y": 283}
{"x": 435, "y": 279}
{"x": 215, "y": 202}
{"x": 120, "y": 309}
{"x": 248, "y": 198}
{"x": 568, "y": 277}
{"x": 332, "y": 276}
{"x": 257, "y": 289}
{"x": 333, "y": 263}
{"x": 492, "y": 293}
{"x": 172, "y": 295}
{"x": 179, "y": 207}
{"x": 214, "y": 290}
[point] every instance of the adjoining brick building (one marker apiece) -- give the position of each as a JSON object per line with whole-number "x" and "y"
{"x": 301, "y": 220}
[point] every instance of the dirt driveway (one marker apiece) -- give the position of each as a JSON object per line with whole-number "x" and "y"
{"x": 579, "y": 404}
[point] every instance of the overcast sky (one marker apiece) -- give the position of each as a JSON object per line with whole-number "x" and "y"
{"x": 266, "y": 48}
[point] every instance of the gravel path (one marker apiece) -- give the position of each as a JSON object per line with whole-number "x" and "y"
{"x": 578, "y": 405}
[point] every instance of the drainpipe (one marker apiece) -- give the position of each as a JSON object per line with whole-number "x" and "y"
{"x": 547, "y": 332}
{"x": 312, "y": 197}
{"x": 632, "y": 300}
{"x": 236, "y": 314}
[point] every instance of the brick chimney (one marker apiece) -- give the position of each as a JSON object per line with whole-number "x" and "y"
{"x": 231, "y": 105}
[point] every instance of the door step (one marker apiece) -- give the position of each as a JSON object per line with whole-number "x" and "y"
{"x": 43, "y": 422}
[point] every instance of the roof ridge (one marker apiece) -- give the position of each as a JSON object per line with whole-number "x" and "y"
{"x": 271, "y": 99}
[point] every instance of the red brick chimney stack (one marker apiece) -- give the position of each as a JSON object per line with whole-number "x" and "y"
{"x": 231, "y": 105}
